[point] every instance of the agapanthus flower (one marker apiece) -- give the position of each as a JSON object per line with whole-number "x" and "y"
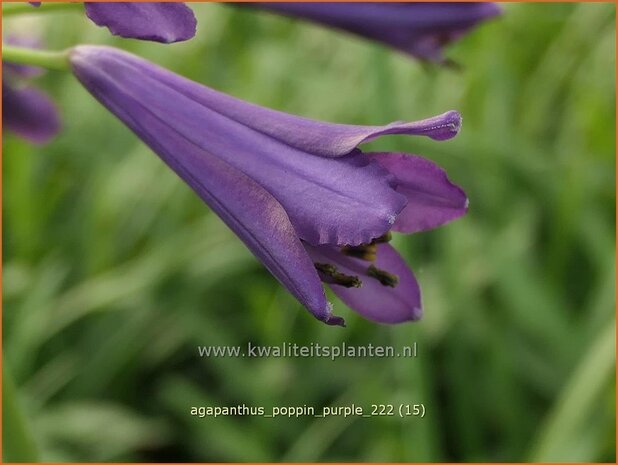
{"x": 165, "y": 22}
{"x": 26, "y": 111}
{"x": 300, "y": 193}
{"x": 416, "y": 28}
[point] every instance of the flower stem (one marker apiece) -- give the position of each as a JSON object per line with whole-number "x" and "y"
{"x": 18, "y": 442}
{"x": 18, "y": 8}
{"x": 44, "y": 59}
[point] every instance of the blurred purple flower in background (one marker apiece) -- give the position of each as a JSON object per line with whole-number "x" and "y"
{"x": 307, "y": 202}
{"x": 419, "y": 29}
{"x": 26, "y": 111}
{"x": 165, "y": 22}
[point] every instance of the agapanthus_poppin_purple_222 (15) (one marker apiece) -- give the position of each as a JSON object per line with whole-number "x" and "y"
{"x": 309, "y": 204}
{"x": 165, "y": 22}
{"x": 419, "y": 29}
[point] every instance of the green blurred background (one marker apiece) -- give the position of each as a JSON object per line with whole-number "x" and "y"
{"x": 114, "y": 271}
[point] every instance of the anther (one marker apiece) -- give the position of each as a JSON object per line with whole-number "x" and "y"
{"x": 326, "y": 268}
{"x": 385, "y": 278}
{"x": 364, "y": 252}
{"x": 329, "y": 274}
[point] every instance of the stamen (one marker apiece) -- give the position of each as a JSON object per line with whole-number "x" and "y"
{"x": 385, "y": 278}
{"x": 329, "y": 274}
{"x": 365, "y": 252}
{"x": 326, "y": 268}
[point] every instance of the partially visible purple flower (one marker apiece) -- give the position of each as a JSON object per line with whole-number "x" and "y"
{"x": 29, "y": 113}
{"x": 416, "y": 28}
{"x": 26, "y": 111}
{"x": 307, "y": 202}
{"x": 165, "y": 22}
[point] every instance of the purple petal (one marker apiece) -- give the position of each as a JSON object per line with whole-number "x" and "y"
{"x": 433, "y": 200}
{"x": 160, "y": 22}
{"x": 419, "y": 29}
{"x": 320, "y": 138}
{"x": 329, "y": 140}
{"x": 373, "y": 300}
{"x": 29, "y": 113}
{"x": 347, "y": 200}
{"x": 315, "y": 137}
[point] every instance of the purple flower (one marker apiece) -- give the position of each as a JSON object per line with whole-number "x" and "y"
{"x": 26, "y": 111}
{"x": 165, "y": 22}
{"x": 307, "y": 202}
{"x": 419, "y": 29}
{"x": 29, "y": 113}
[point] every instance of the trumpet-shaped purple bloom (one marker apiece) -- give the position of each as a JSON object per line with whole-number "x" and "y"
{"x": 165, "y": 22}
{"x": 419, "y": 29}
{"x": 26, "y": 111}
{"x": 308, "y": 203}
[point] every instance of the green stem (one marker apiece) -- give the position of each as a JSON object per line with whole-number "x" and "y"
{"x": 44, "y": 59}
{"x": 18, "y": 8}
{"x": 18, "y": 442}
